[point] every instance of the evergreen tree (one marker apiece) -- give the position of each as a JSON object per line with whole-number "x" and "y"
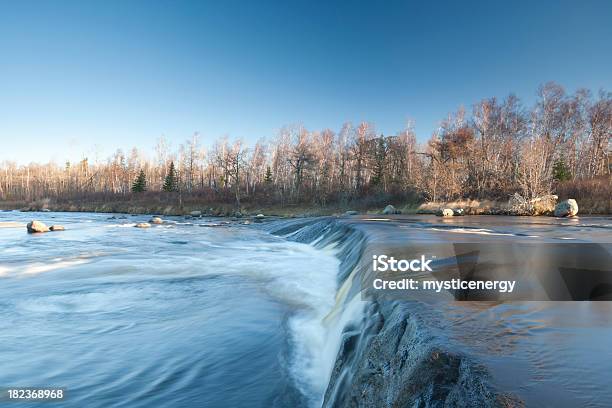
{"x": 140, "y": 184}
{"x": 561, "y": 171}
{"x": 171, "y": 181}
{"x": 268, "y": 176}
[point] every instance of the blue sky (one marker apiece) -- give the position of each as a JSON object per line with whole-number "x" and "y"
{"x": 117, "y": 74}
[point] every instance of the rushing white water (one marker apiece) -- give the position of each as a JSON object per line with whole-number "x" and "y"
{"x": 213, "y": 316}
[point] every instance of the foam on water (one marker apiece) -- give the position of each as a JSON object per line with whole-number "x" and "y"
{"x": 37, "y": 268}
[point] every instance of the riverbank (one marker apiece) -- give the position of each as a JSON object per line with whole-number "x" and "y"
{"x": 159, "y": 205}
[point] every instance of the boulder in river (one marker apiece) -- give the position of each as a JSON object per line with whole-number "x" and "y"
{"x": 391, "y": 210}
{"x": 458, "y": 212}
{"x": 196, "y": 213}
{"x": 156, "y": 220}
{"x": 143, "y": 225}
{"x": 446, "y": 212}
{"x": 351, "y": 212}
{"x": 36, "y": 226}
{"x": 566, "y": 208}
{"x": 57, "y": 228}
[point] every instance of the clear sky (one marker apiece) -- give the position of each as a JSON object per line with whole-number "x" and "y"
{"x": 118, "y": 74}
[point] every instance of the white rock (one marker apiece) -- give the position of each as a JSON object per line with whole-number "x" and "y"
{"x": 156, "y": 220}
{"x": 36, "y": 226}
{"x": 566, "y": 208}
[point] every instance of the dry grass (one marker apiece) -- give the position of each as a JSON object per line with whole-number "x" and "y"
{"x": 594, "y": 196}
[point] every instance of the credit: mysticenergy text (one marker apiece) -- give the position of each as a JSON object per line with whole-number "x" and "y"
{"x": 384, "y": 263}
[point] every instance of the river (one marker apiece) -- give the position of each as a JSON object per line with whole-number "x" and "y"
{"x": 205, "y": 312}
{"x": 183, "y": 314}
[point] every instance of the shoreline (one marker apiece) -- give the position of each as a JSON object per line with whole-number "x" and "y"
{"x": 468, "y": 207}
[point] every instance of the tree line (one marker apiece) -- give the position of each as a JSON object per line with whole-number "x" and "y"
{"x": 494, "y": 150}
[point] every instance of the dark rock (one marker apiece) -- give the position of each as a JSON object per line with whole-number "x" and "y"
{"x": 57, "y": 228}
{"x": 395, "y": 362}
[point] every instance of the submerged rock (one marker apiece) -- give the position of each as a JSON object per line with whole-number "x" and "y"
{"x": 57, "y": 228}
{"x": 143, "y": 225}
{"x": 391, "y": 210}
{"x": 36, "y": 226}
{"x": 156, "y": 220}
{"x": 566, "y": 208}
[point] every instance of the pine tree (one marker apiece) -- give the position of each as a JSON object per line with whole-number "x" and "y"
{"x": 140, "y": 184}
{"x": 171, "y": 181}
{"x": 268, "y": 176}
{"x": 561, "y": 171}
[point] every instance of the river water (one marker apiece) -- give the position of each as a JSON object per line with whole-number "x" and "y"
{"x": 210, "y": 313}
{"x": 182, "y": 314}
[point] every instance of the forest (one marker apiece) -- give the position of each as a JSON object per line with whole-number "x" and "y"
{"x": 499, "y": 147}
